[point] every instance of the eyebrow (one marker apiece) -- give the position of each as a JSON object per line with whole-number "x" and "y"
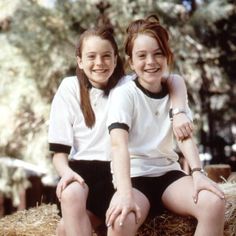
{"x": 143, "y": 51}
{"x": 110, "y": 52}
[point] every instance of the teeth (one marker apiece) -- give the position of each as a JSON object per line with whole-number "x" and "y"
{"x": 151, "y": 70}
{"x": 99, "y": 71}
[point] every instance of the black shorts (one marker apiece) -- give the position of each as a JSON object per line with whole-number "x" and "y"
{"x": 154, "y": 187}
{"x": 97, "y": 175}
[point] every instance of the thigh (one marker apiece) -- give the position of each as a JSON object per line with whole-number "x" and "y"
{"x": 154, "y": 187}
{"x": 178, "y": 197}
{"x": 98, "y": 177}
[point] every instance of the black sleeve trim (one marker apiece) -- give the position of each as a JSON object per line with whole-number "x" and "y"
{"x": 55, "y": 147}
{"x": 118, "y": 126}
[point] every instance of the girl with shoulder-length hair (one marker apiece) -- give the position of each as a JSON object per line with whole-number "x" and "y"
{"x": 143, "y": 155}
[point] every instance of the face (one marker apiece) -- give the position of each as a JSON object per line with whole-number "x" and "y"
{"x": 148, "y": 62}
{"x": 97, "y": 61}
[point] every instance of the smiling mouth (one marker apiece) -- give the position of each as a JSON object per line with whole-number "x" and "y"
{"x": 152, "y": 70}
{"x": 100, "y": 71}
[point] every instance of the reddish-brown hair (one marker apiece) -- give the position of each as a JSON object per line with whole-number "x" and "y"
{"x": 85, "y": 104}
{"x": 152, "y": 27}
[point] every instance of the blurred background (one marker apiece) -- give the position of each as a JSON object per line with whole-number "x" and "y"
{"x": 37, "y": 39}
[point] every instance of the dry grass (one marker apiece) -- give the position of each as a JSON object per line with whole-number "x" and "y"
{"x": 38, "y": 221}
{"x": 42, "y": 220}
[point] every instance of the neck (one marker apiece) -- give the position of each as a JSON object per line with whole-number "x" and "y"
{"x": 153, "y": 88}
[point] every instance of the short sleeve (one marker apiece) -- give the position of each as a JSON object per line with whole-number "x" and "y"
{"x": 60, "y": 134}
{"x": 120, "y": 109}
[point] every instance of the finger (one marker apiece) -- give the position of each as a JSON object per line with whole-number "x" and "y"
{"x": 180, "y": 135}
{"x": 137, "y": 214}
{"x": 108, "y": 215}
{"x": 59, "y": 190}
{"x": 217, "y": 191}
{"x": 123, "y": 215}
{"x": 112, "y": 218}
{"x": 184, "y": 132}
{"x": 80, "y": 180}
{"x": 195, "y": 196}
{"x": 188, "y": 131}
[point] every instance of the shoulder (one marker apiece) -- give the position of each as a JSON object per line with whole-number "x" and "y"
{"x": 126, "y": 79}
{"x": 128, "y": 85}
{"x": 69, "y": 81}
{"x": 169, "y": 78}
{"x": 69, "y": 84}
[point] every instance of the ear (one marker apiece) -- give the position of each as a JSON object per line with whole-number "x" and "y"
{"x": 130, "y": 63}
{"x": 79, "y": 62}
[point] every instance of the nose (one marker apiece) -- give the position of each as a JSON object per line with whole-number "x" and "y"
{"x": 150, "y": 59}
{"x": 98, "y": 60}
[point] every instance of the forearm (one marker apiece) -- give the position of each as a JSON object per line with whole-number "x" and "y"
{"x": 190, "y": 152}
{"x": 121, "y": 168}
{"x": 121, "y": 161}
{"x": 60, "y": 162}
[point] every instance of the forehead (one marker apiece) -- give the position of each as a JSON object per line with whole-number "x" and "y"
{"x": 145, "y": 42}
{"x": 96, "y": 44}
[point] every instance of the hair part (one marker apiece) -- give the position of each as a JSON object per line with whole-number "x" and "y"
{"x": 105, "y": 33}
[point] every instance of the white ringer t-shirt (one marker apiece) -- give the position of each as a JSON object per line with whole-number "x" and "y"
{"x": 68, "y": 132}
{"x": 146, "y": 117}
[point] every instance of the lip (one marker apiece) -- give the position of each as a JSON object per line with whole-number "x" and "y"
{"x": 100, "y": 70}
{"x": 152, "y": 70}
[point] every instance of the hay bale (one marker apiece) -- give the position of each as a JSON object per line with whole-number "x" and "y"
{"x": 38, "y": 221}
{"x": 168, "y": 224}
{"x": 218, "y": 172}
{"x": 42, "y": 220}
{"x": 229, "y": 189}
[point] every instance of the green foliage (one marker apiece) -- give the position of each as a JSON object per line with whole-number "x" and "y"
{"x": 39, "y": 51}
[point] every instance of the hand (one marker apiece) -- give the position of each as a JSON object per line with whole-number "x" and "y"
{"x": 121, "y": 206}
{"x": 201, "y": 182}
{"x": 182, "y": 126}
{"x": 68, "y": 177}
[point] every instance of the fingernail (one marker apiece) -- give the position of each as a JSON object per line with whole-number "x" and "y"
{"x": 121, "y": 223}
{"x": 108, "y": 225}
{"x": 195, "y": 200}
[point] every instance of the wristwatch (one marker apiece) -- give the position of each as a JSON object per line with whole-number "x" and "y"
{"x": 175, "y": 111}
{"x": 201, "y": 170}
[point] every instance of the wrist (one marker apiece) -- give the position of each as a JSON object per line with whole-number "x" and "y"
{"x": 175, "y": 111}
{"x": 197, "y": 170}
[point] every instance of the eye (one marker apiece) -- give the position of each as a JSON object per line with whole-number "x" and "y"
{"x": 91, "y": 57}
{"x": 159, "y": 54}
{"x": 107, "y": 56}
{"x": 141, "y": 56}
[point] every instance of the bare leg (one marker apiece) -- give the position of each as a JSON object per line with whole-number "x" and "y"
{"x": 209, "y": 210}
{"x": 96, "y": 223}
{"x": 74, "y": 213}
{"x": 130, "y": 227}
{"x": 60, "y": 230}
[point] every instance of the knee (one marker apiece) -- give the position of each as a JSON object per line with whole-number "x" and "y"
{"x": 128, "y": 227}
{"x": 211, "y": 204}
{"x": 74, "y": 193}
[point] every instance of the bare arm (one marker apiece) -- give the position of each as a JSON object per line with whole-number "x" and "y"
{"x": 60, "y": 162}
{"x": 123, "y": 201}
{"x": 200, "y": 181}
{"x": 182, "y": 126}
